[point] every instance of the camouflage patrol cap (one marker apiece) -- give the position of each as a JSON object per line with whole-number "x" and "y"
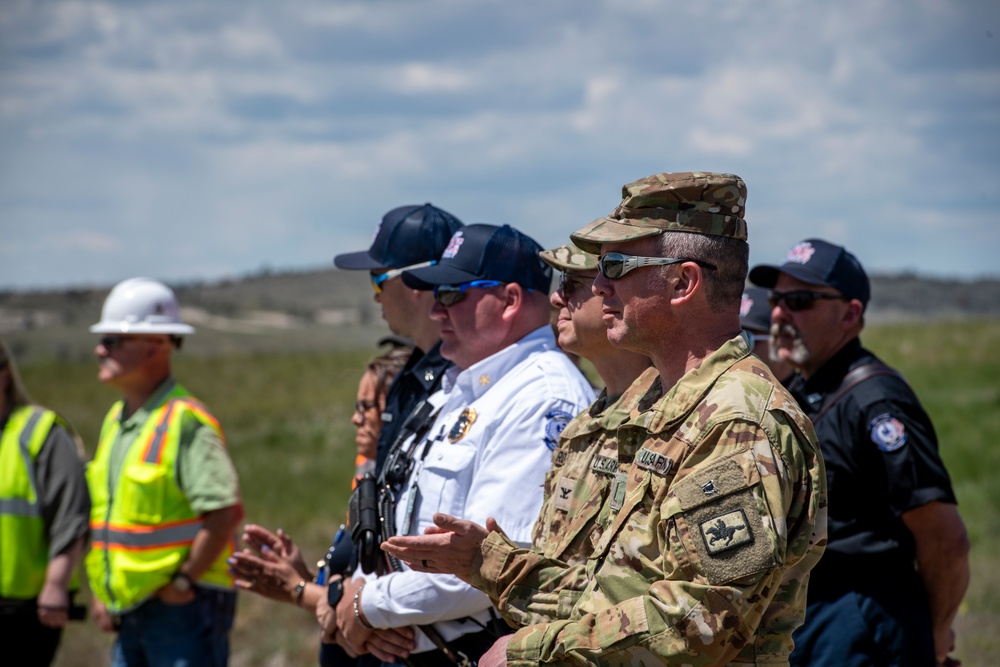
{"x": 569, "y": 258}
{"x": 696, "y": 202}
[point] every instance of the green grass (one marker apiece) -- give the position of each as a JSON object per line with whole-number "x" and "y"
{"x": 287, "y": 420}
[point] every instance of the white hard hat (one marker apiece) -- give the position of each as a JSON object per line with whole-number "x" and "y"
{"x": 141, "y": 306}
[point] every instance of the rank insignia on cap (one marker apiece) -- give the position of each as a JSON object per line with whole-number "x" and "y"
{"x": 557, "y": 420}
{"x": 725, "y": 532}
{"x": 461, "y": 425}
{"x": 888, "y": 433}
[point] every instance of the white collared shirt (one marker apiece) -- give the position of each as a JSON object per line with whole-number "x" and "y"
{"x": 521, "y": 398}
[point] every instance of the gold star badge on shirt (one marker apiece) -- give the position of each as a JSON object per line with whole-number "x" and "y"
{"x": 484, "y": 380}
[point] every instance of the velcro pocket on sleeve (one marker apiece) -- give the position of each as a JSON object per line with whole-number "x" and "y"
{"x": 720, "y": 520}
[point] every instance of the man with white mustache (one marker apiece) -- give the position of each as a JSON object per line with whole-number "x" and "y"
{"x": 896, "y": 565}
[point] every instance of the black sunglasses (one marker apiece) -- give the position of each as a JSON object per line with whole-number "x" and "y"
{"x": 800, "y": 299}
{"x": 571, "y": 283}
{"x": 614, "y": 265}
{"x": 449, "y": 295}
{"x": 112, "y": 343}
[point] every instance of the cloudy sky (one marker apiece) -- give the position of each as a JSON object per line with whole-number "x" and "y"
{"x": 195, "y": 140}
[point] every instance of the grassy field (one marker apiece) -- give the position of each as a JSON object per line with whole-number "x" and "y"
{"x": 287, "y": 422}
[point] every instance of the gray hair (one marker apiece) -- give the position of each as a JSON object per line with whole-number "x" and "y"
{"x": 731, "y": 258}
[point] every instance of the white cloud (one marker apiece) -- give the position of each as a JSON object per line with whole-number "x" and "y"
{"x": 275, "y": 131}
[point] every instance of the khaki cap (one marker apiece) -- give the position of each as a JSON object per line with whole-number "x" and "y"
{"x": 696, "y": 202}
{"x": 569, "y": 258}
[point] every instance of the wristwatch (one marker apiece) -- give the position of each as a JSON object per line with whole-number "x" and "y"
{"x": 181, "y": 582}
{"x": 334, "y": 592}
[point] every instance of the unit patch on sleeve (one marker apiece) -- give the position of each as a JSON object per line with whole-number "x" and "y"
{"x": 647, "y": 459}
{"x": 725, "y": 532}
{"x": 557, "y": 420}
{"x": 461, "y": 425}
{"x": 888, "y": 433}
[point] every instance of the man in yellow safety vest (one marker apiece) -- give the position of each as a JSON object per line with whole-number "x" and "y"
{"x": 166, "y": 502}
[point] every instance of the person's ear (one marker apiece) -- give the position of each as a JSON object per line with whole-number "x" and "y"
{"x": 688, "y": 279}
{"x": 853, "y": 314}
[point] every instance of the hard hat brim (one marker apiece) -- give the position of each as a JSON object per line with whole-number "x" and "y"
{"x": 176, "y": 329}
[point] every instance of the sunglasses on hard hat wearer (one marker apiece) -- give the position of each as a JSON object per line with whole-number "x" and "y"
{"x": 379, "y": 278}
{"x": 571, "y": 283}
{"x": 800, "y": 299}
{"x": 449, "y": 295}
{"x": 614, "y": 265}
{"x": 112, "y": 343}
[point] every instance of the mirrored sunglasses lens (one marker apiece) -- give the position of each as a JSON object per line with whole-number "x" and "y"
{"x": 448, "y": 296}
{"x": 613, "y": 265}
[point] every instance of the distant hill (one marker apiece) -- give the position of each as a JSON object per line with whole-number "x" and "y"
{"x": 330, "y": 309}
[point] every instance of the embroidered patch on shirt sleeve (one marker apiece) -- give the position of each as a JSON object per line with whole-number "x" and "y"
{"x": 888, "y": 433}
{"x": 556, "y": 422}
{"x": 725, "y": 532}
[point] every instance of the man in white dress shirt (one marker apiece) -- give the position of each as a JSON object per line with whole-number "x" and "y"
{"x": 492, "y": 430}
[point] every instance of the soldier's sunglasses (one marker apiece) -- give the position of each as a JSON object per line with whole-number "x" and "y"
{"x": 378, "y": 279}
{"x": 614, "y": 265}
{"x": 449, "y": 295}
{"x": 800, "y": 299}
{"x": 571, "y": 283}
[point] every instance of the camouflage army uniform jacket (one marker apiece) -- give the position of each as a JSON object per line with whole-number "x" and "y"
{"x": 715, "y": 522}
{"x": 570, "y": 522}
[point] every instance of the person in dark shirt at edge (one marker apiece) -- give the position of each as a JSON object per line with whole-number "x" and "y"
{"x": 896, "y": 566}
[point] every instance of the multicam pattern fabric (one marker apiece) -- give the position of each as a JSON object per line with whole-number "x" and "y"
{"x": 571, "y": 521}
{"x": 569, "y": 258}
{"x": 697, "y": 202}
{"x": 723, "y": 515}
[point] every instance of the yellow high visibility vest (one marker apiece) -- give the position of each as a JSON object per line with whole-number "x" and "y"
{"x": 24, "y": 546}
{"x": 143, "y": 528}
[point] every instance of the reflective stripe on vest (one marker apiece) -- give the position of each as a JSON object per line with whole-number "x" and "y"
{"x": 143, "y": 527}
{"x": 24, "y": 545}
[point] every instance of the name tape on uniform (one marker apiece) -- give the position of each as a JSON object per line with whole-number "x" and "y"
{"x": 647, "y": 459}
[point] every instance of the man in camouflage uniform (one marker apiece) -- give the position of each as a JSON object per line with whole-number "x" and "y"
{"x": 586, "y": 459}
{"x": 584, "y": 462}
{"x": 717, "y": 513}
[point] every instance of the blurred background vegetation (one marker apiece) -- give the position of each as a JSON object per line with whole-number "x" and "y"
{"x": 283, "y": 384}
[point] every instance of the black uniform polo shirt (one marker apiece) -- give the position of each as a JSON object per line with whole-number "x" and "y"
{"x": 419, "y": 378}
{"x": 882, "y": 460}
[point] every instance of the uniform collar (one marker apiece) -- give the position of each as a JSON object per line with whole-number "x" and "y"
{"x": 810, "y": 393}
{"x": 693, "y": 386}
{"x": 478, "y": 378}
{"x": 427, "y": 367}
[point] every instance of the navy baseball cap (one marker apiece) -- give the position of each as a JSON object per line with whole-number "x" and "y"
{"x": 406, "y": 236}
{"x": 818, "y": 262}
{"x": 485, "y": 252}
{"x": 755, "y": 312}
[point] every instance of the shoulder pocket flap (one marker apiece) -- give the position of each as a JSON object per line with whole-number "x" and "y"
{"x": 717, "y": 480}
